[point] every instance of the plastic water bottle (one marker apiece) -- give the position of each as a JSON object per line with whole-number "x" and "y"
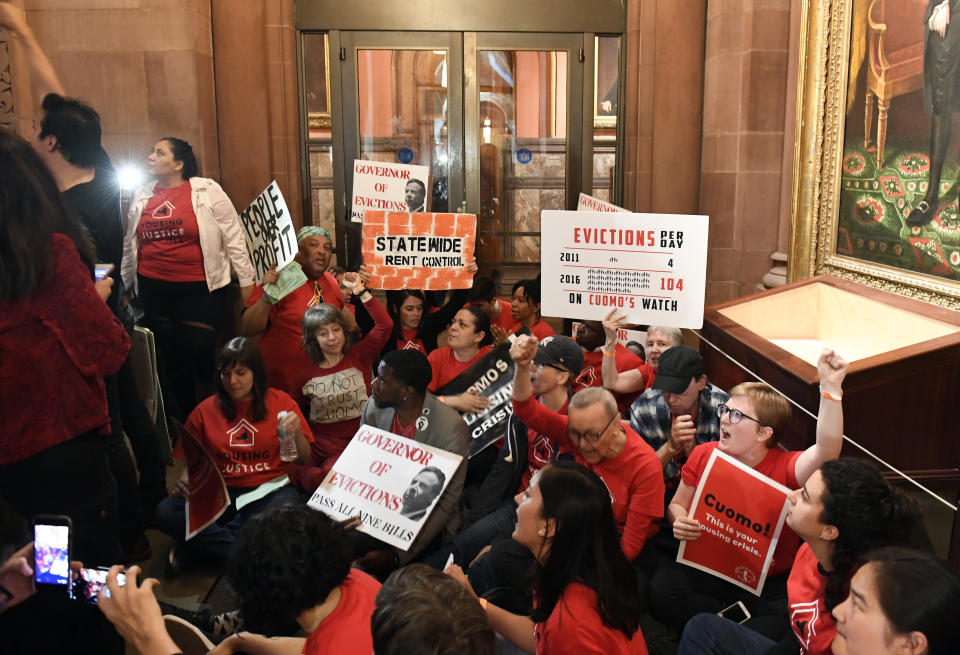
{"x": 288, "y": 445}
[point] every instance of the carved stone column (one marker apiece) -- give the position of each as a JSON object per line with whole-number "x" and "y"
{"x": 7, "y": 117}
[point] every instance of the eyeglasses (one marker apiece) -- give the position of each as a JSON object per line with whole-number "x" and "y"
{"x": 735, "y": 415}
{"x": 577, "y": 437}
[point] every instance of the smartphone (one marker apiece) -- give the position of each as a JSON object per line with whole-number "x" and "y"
{"x": 51, "y": 554}
{"x": 101, "y": 271}
{"x": 91, "y": 581}
{"x": 737, "y": 612}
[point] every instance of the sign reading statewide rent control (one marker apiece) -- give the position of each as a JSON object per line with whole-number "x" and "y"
{"x": 741, "y": 514}
{"x": 418, "y": 251}
{"x": 388, "y": 187}
{"x": 590, "y": 204}
{"x": 390, "y": 482}
{"x": 268, "y": 229}
{"x": 649, "y": 267}
{"x": 208, "y": 497}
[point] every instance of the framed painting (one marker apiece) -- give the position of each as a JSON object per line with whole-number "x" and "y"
{"x": 875, "y": 197}
{"x": 316, "y": 73}
{"x": 606, "y": 63}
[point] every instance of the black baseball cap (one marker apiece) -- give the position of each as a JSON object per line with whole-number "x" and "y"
{"x": 677, "y": 367}
{"x": 560, "y": 351}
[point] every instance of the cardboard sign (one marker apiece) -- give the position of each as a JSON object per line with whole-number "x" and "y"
{"x": 336, "y": 397}
{"x": 392, "y": 483}
{"x": 650, "y": 267}
{"x": 208, "y": 498}
{"x": 590, "y": 204}
{"x": 269, "y": 232}
{"x": 741, "y": 514}
{"x": 384, "y": 186}
{"x": 491, "y": 377}
{"x": 418, "y": 251}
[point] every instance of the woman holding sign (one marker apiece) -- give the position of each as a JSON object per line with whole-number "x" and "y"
{"x": 585, "y": 589}
{"x": 844, "y": 510}
{"x": 335, "y": 383}
{"x": 244, "y": 428}
{"x": 182, "y": 237}
{"x": 750, "y": 422}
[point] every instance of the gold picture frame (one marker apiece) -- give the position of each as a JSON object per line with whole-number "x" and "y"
{"x": 823, "y": 72}
{"x": 607, "y": 62}
{"x": 317, "y": 81}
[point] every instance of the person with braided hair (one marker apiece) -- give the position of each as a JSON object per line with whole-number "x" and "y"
{"x": 845, "y": 510}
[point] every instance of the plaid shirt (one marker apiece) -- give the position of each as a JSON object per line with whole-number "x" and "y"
{"x": 650, "y": 418}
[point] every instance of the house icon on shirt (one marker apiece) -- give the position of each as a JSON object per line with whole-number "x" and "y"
{"x": 242, "y": 434}
{"x": 164, "y": 211}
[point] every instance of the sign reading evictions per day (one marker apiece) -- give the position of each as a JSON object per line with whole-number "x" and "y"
{"x": 418, "y": 251}
{"x": 390, "y": 482}
{"x": 650, "y": 267}
{"x": 268, "y": 230}
{"x": 385, "y": 186}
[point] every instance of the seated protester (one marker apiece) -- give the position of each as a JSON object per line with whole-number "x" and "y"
{"x": 492, "y": 514}
{"x": 278, "y": 322}
{"x": 525, "y": 309}
{"x": 468, "y": 339}
{"x": 401, "y": 404}
{"x": 590, "y": 335}
{"x": 334, "y": 382}
{"x": 421, "y": 611}
{"x": 412, "y": 329}
{"x": 900, "y": 602}
{"x": 845, "y": 510}
{"x": 634, "y": 380}
{"x": 749, "y": 425}
{"x": 483, "y": 296}
{"x": 585, "y": 589}
{"x": 600, "y": 441}
{"x": 679, "y": 412}
{"x": 292, "y": 567}
{"x": 241, "y": 420}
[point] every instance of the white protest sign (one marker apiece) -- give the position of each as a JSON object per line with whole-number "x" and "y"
{"x": 269, "y": 232}
{"x": 590, "y": 204}
{"x": 650, "y": 267}
{"x": 389, "y": 187}
{"x": 390, "y": 482}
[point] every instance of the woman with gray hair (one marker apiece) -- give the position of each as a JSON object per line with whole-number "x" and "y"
{"x": 334, "y": 385}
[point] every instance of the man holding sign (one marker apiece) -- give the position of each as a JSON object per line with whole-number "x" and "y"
{"x": 749, "y": 424}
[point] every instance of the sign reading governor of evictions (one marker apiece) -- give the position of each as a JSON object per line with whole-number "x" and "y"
{"x": 384, "y": 186}
{"x": 390, "y": 482}
{"x": 268, "y": 230}
{"x": 649, "y": 267}
{"x": 418, "y": 251}
{"x": 587, "y": 203}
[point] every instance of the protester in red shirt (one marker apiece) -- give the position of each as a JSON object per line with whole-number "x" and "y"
{"x": 414, "y": 330}
{"x": 334, "y": 383}
{"x": 845, "y": 510}
{"x": 590, "y": 336}
{"x": 292, "y": 564}
{"x": 238, "y": 427}
{"x": 277, "y": 321}
{"x": 483, "y": 296}
{"x": 586, "y": 598}
{"x": 468, "y": 339}
{"x": 750, "y": 423}
{"x": 634, "y": 381}
{"x": 525, "y": 309}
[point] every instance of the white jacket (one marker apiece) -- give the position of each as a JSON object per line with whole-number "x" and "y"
{"x": 221, "y": 238}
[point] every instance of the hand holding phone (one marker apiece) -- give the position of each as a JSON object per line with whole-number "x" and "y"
{"x": 88, "y": 585}
{"x": 101, "y": 270}
{"x": 51, "y": 554}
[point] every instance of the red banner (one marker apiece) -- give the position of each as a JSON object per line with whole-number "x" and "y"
{"x": 741, "y": 513}
{"x": 208, "y": 497}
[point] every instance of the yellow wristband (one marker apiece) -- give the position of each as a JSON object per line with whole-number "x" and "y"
{"x": 609, "y": 354}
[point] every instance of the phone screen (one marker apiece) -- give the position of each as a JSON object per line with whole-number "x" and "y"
{"x": 737, "y": 612}
{"x": 101, "y": 271}
{"x": 51, "y": 547}
{"x": 88, "y": 585}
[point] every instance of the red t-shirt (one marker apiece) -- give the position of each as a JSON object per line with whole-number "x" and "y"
{"x": 246, "y": 452}
{"x": 541, "y": 329}
{"x": 810, "y": 619}
{"x": 169, "y": 237}
{"x": 446, "y": 367}
{"x": 505, "y": 318}
{"x": 634, "y": 478}
{"x": 410, "y": 341}
{"x": 405, "y": 431}
{"x": 592, "y": 376}
{"x": 347, "y": 629}
{"x": 778, "y": 465}
{"x": 280, "y": 343}
{"x": 540, "y": 451}
{"x": 575, "y": 628}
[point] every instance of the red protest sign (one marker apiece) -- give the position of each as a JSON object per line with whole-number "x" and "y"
{"x": 418, "y": 251}
{"x": 741, "y": 513}
{"x": 208, "y": 497}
